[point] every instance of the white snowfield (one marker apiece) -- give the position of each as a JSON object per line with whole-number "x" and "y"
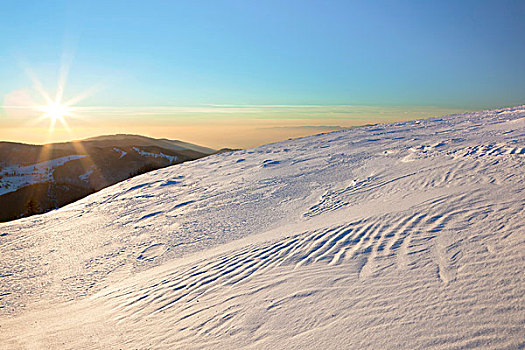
{"x": 401, "y": 236}
{"x": 15, "y": 176}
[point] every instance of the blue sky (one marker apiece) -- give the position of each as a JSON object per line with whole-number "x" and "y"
{"x": 457, "y": 54}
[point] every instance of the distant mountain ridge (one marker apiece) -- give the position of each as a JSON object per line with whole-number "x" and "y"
{"x": 38, "y": 178}
{"x": 138, "y": 140}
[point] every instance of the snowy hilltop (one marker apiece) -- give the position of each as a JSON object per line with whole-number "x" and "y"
{"x": 401, "y": 236}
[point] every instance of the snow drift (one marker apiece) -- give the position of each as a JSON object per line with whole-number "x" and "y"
{"x": 409, "y": 235}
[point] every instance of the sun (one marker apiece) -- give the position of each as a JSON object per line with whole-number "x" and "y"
{"x": 56, "y": 111}
{"x": 37, "y": 106}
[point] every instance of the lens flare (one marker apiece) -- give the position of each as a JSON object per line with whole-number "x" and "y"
{"x": 55, "y": 111}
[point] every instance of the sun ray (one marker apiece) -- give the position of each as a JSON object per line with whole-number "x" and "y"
{"x": 65, "y": 65}
{"x": 82, "y": 96}
{"x": 37, "y": 85}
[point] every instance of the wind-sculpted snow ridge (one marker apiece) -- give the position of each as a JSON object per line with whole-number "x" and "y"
{"x": 408, "y": 235}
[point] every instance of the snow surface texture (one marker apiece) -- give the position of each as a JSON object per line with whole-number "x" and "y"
{"x": 15, "y": 176}
{"x": 409, "y": 235}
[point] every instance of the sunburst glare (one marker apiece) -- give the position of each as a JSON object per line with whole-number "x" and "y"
{"x": 56, "y": 111}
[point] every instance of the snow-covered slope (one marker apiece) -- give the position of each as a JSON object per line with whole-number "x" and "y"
{"x": 409, "y": 235}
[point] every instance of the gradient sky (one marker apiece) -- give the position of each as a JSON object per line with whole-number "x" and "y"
{"x": 157, "y": 67}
